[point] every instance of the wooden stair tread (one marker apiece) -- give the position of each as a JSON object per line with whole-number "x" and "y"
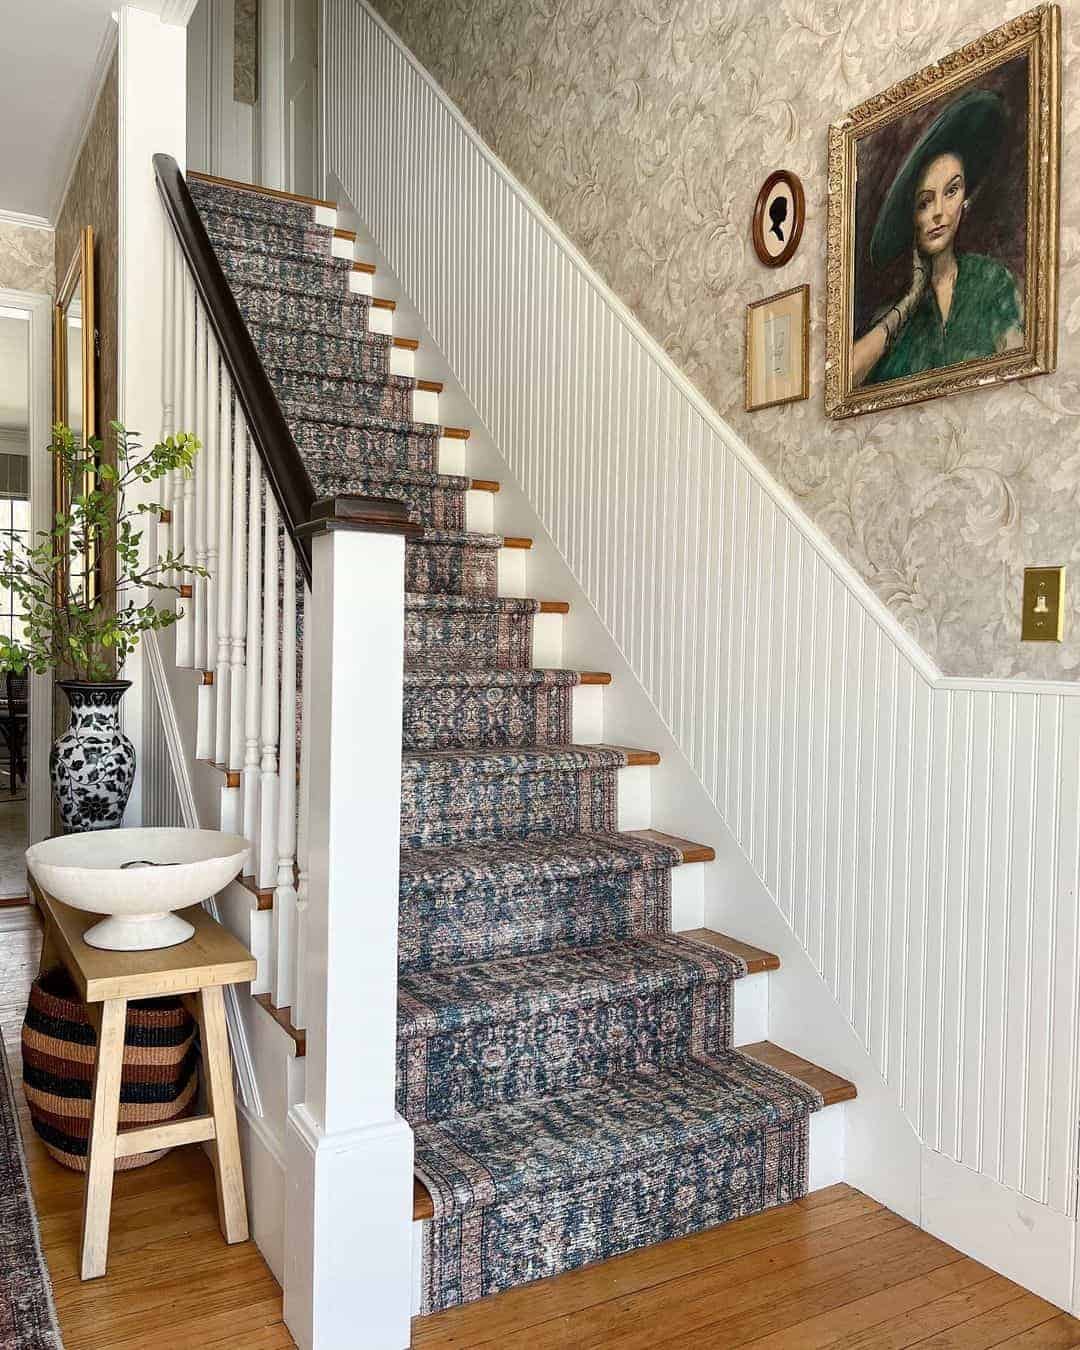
{"x": 261, "y": 191}
{"x": 407, "y": 344}
{"x": 430, "y": 386}
{"x": 757, "y": 958}
{"x": 264, "y": 895}
{"x": 484, "y": 484}
{"x": 367, "y": 267}
{"x": 422, "y": 1207}
{"x": 379, "y": 302}
{"x": 832, "y": 1087}
{"x": 691, "y": 852}
{"x": 456, "y": 433}
{"x": 339, "y": 233}
{"x": 281, "y": 1017}
{"x": 516, "y": 541}
{"x": 593, "y": 677}
{"x": 636, "y": 757}
{"x": 554, "y": 606}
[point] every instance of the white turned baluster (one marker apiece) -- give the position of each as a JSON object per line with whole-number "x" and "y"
{"x": 174, "y": 479}
{"x": 202, "y": 430}
{"x": 253, "y": 677}
{"x": 168, "y": 377}
{"x": 268, "y": 760}
{"x": 303, "y": 864}
{"x": 238, "y": 606}
{"x": 285, "y": 895}
{"x": 221, "y": 569}
{"x": 185, "y": 630}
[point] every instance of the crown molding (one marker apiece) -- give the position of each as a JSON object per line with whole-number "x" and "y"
{"x": 21, "y": 218}
{"x": 176, "y": 12}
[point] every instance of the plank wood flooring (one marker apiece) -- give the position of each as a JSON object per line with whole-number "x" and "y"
{"x": 834, "y": 1270}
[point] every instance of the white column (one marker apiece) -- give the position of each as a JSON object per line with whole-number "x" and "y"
{"x": 151, "y": 117}
{"x": 348, "y": 1222}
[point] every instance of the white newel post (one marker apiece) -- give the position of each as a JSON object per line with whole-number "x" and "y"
{"x": 348, "y": 1220}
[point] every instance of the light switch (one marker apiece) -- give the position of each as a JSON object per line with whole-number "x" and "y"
{"x": 1044, "y": 613}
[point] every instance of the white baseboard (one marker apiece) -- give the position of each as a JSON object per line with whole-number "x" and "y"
{"x": 264, "y": 1177}
{"x": 1021, "y": 1239}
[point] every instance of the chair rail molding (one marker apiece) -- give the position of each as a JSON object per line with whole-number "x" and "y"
{"x": 919, "y": 835}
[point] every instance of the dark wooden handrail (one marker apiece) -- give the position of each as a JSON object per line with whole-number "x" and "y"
{"x": 284, "y": 466}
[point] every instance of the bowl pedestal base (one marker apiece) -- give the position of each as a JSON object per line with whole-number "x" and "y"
{"x": 138, "y": 932}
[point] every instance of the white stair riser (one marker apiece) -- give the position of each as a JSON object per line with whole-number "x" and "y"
{"x": 361, "y": 283}
{"x": 326, "y": 215}
{"x": 480, "y": 512}
{"x": 379, "y": 320}
{"x": 425, "y": 406}
{"x": 587, "y": 714}
{"x": 344, "y": 248}
{"x": 547, "y": 648}
{"x": 402, "y": 361}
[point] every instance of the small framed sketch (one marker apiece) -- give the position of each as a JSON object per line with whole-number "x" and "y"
{"x": 778, "y": 349}
{"x": 779, "y": 213}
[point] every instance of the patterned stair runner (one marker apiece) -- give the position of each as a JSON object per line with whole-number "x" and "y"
{"x": 567, "y": 1061}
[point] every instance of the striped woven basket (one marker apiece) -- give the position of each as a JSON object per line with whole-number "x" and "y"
{"x": 59, "y": 1048}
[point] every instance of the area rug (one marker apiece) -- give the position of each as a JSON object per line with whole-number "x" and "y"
{"x": 566, "y": 1061}
{"x": 27, "y": 1313}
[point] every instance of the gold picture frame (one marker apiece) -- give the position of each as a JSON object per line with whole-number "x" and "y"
{"x": 1011, "y": 79}
{"x": 777, "y": 366}
{"x": 74, "y": 374}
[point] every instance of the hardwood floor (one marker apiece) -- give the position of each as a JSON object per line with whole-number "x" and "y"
{"x": 172, "y": 1282}
{"x": 835, "y": 1270}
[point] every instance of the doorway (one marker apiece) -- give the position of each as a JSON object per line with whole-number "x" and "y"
{"x": 25, "y": 508}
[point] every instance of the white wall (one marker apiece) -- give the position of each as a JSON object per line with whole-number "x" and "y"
{"x": 910, "y": 843}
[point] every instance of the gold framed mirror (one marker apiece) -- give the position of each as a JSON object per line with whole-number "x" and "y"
{"x": 74, "y": 380}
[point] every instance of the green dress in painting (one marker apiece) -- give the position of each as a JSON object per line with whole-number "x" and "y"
{"x": 985, "y": 309}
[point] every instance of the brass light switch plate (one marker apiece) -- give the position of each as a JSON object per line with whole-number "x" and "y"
{"x": 1044, "y": 614}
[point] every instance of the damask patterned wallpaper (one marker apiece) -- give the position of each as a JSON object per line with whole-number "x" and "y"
{"x": 26, "y": 258}
{"x": 645, "y": 127}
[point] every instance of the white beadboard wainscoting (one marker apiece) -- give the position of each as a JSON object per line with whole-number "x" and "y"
{"x": 914, "y": 840}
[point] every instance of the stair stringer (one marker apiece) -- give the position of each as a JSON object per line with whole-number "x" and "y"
{"x": 882, "y": 1151}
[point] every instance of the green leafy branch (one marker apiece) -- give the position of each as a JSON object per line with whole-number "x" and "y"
{"x": 67, "y": 624}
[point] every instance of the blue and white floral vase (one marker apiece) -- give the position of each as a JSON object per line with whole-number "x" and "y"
{"x": 92, "y": 765}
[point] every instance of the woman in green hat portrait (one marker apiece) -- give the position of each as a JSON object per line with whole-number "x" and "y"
{"x": 958, "y": 306}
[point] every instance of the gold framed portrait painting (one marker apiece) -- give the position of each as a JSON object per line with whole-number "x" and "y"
{"x": 943, "y": 225}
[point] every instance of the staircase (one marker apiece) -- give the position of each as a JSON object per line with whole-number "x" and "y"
{"x": 581, "y": 1079}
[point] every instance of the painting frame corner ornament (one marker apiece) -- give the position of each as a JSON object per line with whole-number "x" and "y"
{"x": 777, "y": 367}
{"x": 939, "y": 278}
{"x": 782, "y": 199}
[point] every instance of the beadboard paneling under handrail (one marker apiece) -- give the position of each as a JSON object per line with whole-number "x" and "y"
{"x": 921, "y": 835}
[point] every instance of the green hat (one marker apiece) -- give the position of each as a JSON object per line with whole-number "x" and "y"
{"x": 970, "y": 127}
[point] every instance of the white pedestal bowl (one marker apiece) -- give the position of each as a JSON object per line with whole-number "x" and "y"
{"x": 137, "y": 878}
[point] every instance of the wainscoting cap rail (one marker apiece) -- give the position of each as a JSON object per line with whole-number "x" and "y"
{"x": 375, "y": 515}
